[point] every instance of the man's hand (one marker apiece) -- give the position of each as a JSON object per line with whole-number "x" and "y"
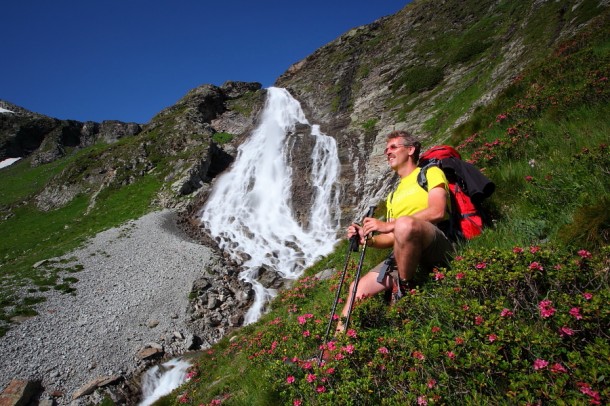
{"x": 371, "y": 224}
{"x": 355, "y": 230}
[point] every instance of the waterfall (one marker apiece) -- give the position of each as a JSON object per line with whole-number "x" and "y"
{"x": 161, "y": 379}
{"x": 249, "y": 211}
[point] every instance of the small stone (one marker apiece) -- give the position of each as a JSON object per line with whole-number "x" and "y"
{"x": 90, "y": 387}
{"x": 149, "y": 353}
{"x": 153, "y": 323}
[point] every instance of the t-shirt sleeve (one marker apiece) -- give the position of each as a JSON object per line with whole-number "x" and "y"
{"x": 436, "y": 177}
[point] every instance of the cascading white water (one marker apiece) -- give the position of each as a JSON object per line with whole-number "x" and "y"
{"x": 161, "y": 379}
{"x": 249, "y": 211}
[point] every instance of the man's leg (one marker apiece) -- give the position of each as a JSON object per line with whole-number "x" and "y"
{"x": 367, "y": 286}
{"x": 411, "y": 237}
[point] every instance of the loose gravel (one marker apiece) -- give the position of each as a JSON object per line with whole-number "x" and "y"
{"x": 133, "y": 291}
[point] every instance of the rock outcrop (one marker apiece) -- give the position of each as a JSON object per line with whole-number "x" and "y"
{"x": 24, "y": 133}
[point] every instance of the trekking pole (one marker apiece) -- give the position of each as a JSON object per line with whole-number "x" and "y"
{"x": 352, "y": 247}
{"x": 357, "y": 277}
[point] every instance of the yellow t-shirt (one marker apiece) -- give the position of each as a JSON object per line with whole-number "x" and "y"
{"x": 409, "y": 198}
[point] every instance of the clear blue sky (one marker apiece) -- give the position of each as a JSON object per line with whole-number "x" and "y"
{"x": 127, "y": 60}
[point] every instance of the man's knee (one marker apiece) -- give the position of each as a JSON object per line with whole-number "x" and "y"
{"x": 407, "y": 228}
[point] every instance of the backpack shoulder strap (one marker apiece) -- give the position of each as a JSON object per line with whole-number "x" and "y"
{"x": 422, "y": 179}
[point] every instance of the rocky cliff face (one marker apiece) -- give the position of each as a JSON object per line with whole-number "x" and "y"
{"x": 424, "y": 69}
{"x": 178, "y": 139}
{"x": 23, "y": 133}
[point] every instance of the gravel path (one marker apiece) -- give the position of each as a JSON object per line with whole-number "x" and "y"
{"x": 133, "y": 291}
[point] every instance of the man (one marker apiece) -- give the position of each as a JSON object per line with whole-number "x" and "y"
{"x": 410, "y": 229}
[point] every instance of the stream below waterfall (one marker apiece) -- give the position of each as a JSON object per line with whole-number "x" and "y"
{"x": 160, "y": 380}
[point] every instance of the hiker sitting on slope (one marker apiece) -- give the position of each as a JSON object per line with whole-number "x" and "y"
{"x": 410, "y": 229}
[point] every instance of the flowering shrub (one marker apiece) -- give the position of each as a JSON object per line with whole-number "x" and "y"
{"x": 531, "y": 326}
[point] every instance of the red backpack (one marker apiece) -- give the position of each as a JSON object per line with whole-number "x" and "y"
{"x": 468, "y": 187}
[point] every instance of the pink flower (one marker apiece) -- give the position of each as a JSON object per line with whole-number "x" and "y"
{"x": 418, "y": 355}
{"x": 587, "y": 390}
{"x": 331, "y": 346}
{"x": 540, "y": 364}
{"x": 348, "y": 348}
{"x": 451, "y": 354}
{"x": 459, "y": 340}
{"x": 320, "y": 389}
{"x": 307, "y": 365}
{"x": 460, "y": 275}
{"x": 306, "y": 333}
{"x": 383, "y": 350}
{"x": 465, "y": 308}
{"x": 481, "y": 265}
{"x": 439, "y": 276}
{"x": 431, "y": 383}
{"x": 575, "y": 312}
{"x": 311, "y": 378}
{"x": 351, "y": 333}
{"x": 529, "y": 178}
{"x": 546, "y": 308}
{"x": 536, "y": 266}
{"x": 339, "y": 356}
{"x": 584, "y": 254}
{"x": 422, "y": 401}
{"x": 302, "y": 319}
{"x": 506, "y": 313}
{"x": 534, "y": 249}
{"x": 517, "y": 250}
{"x": 436, "y": 329}
{"x": 492, "y": 338}
{"x": 290, "y": 379}
{"x": 458, "y": 258}
{"x": 558, "y": 368}
{"x": 330, "y": 371}
{"x": 478, "y": 320}
{"x": 297, "y": 402}
{"x": 566, "y": 331}
{"x": 587, "y": 296}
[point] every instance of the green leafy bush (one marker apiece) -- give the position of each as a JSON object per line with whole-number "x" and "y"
{"x": 418, "y": 78}
{"x": 222, "y": 138}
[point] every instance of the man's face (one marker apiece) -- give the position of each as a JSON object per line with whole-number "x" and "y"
{"x": 396, "y": 152}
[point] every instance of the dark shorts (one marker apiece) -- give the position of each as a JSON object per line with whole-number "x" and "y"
{"x": 438, "y": 253}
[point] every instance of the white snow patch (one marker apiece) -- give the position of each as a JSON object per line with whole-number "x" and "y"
{"x": 8, "y": 161}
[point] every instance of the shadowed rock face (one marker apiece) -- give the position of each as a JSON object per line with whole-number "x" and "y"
{"x": 23, "y": 133}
